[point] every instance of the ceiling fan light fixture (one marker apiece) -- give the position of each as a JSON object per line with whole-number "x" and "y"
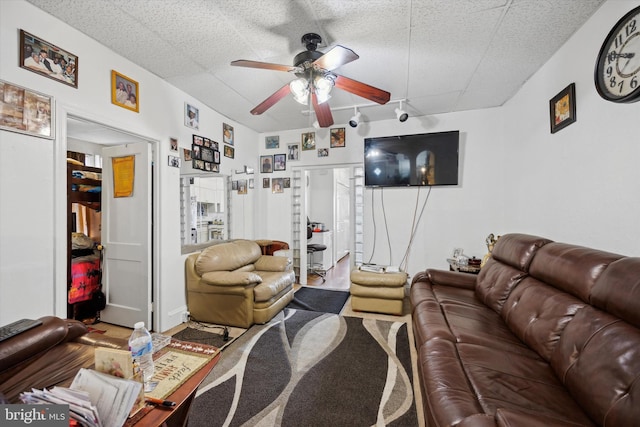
{"x": 355, "y": 120}
{"x": 300, "y": 90}
{"x": 323, "y": 86}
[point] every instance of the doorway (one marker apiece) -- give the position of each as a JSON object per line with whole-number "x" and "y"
{"x": 75, "y": 130}
{"x": 331, "y": 196}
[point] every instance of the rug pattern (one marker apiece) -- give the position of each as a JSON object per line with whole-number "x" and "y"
{"x": 312, "y": 369}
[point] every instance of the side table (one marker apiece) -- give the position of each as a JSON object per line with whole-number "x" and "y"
{"x": 454, "y": 266}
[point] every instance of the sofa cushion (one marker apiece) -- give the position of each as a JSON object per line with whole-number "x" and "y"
{"x": 617, "y": 291}
{"x": 598, "y": 360}
{"x": 538, "y": 313}
{"x": 227, "y": 256}
{"x": 571, "y": 268}
{"x": 231, "y": 278}
{"x": 273, "y": 283}
{"x": 272, "y": 263}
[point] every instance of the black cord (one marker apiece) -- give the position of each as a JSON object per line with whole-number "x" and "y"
{"x": 386, "y": 225}
{"x": 225, "y": 329}
{"x": 373, "y": 216}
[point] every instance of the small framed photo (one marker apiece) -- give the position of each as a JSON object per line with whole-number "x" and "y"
{"x": 215, "y": 145}
{"x": 308, "y": 141}
{"x": 46, "y": 59}
{"x": 227, "y": 134}
{"x": 323, "y": 152}
{"x": 216, "y": 157}
{"x": 287, "y": 183}
{"x": 174, "y": 161}
{"x": 124, "y": 92}
{"x": 187, "y": 154}
{"x": 198, "y": 140}
{"x": 206, "y": 142}
{"x": 337, "y": 138}
{"x": 293, "y": 151}
{"x": 242, "y": 186}
{"x": 196, "y": 152}
{"x": 206, "y": 154}
{"x": 271, "y": 142}
{"x": 207, "y": 166}
{"x": 198, "y": 164}
{"x": 191, "y": 116}
{"x": 562, "y": 108}
{"x": 229, "y": 151}
{"x": 215, "y": 167}
{"x": 234, "y": 185}
{"x": 266, "y": 183}
{"x": 251, "y": 183}
{"x": 266, "y": 164}
{"x": 277, "y": 185}
{"x": 25, "y": 111}
{"x": 279, "y": 162}
{"x": 173, "y": 144}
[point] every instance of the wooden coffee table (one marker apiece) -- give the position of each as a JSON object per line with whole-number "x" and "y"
{"x": 154, "y": 416}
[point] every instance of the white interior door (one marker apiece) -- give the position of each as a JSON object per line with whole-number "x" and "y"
{"x": 126, "y": 237}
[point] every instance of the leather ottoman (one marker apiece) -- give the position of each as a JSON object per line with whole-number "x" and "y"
{"x": 377, "y": 292}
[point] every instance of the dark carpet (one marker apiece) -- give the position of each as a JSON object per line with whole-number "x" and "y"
{"x": 203, "y": 337}
{"x": 306, "y": 368}
{"x": 321, "y": 300}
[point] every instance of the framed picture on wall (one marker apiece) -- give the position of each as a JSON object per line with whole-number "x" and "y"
{"x": 562, "y": 108}
{"x": 46, "y": 59}
{"x": 266, "y": 164}
{"x": 229, "y": 151}
{"x": 266, "y": 183}
{"x": 124, "y": 92}
{"x": 337, "y": 138}
{"x": 227, "y": 134}
{"x": 279, "y": 162}
{"x": 308, "y": 141}
{"x": 26, "y": 111}
{"x": 293, "y": 151}
{"x": 271, "y": 142}
{"x": 191, "y": 116}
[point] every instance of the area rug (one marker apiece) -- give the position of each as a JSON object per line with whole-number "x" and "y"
{"x": 306, "y": 368}
{"x": 203, "y": 337}
{"x": 322, "y": 300}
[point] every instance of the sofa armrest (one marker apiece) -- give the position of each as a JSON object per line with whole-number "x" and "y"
{"x": 273, "y": 263}
{"x": 447, "y": 278}
{"x": 231, "y": 278}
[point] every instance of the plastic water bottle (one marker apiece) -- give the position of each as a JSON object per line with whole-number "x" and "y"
{"x": 141, "y": 348}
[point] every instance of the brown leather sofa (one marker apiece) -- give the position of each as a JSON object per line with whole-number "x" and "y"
{"x": 548, "y": 334}
{"x": 233, "y": 284}
{"x": 48, "y": 355}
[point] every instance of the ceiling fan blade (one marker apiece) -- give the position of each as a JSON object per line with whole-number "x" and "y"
{"x": 323, "y": 111}
{"x": 361, "y": 89}
{"x": 270, "y": 101}
{"x": 336, "y": 57}
{"x": 265, "y": 65}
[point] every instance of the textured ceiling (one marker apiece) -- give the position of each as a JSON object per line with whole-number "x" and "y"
{"x": 439, "y": 55}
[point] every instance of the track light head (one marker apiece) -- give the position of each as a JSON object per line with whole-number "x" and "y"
{"x": 355, "y": 120}
{"x": 401, "y": 115}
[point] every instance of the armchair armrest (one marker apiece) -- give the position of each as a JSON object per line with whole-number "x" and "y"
{"x": 273, "y": 263}
{"x": 447, "y": 278}
{"x": 231, "y": 278}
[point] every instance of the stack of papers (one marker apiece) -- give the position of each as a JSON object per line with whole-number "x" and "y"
{"x": 80, "y": 407}
{"x": 113, "y": 397}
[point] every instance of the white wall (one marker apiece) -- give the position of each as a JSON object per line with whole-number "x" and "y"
{"x": 32, "y": 216}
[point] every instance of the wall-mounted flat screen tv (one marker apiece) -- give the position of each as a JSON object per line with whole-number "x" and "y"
{"x": 412, "y": 160}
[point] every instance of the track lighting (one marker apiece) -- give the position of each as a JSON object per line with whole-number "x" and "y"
{"x": 401, "y": 114}
{"x": 355, "y": 120}
{"x": 316, "y": 125}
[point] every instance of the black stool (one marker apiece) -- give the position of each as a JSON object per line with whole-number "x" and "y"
{"x": 315, "y": 268}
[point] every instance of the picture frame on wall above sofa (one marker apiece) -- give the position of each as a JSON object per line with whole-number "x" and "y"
{"x": 125, "y": 92}
{"x": 279, "y": 162}
{"x": 26, "y": 111}
{"x": 46, "y": 59}
{"x": 562, "y": 108}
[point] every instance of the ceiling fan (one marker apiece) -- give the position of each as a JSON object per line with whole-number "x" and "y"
{"x": 315, "y": 79}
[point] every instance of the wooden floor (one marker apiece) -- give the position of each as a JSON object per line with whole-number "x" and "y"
{"x": 336, "y": 278}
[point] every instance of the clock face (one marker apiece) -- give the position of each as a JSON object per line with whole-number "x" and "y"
{"x": 617, "y": 72}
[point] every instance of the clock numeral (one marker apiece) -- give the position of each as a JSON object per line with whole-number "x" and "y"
{"x": 618, "y": 41}
{"x": 608, "y": 71}
{"x": 634, "y": 82}
{"x": 631, "y": 28}
{"x": 620, "y": 86}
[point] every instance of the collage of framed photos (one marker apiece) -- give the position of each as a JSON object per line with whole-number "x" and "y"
{"x": 205, "y": 154}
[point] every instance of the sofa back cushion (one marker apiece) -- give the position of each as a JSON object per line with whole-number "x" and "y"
{"x": 617, "y": 290}
{"x": 227, "y": 256}
{"x": 508, "y": 264}
{"x": 538, "y": 314}
{"x": 571, "y": 268}
{"x": 598, "y": 360}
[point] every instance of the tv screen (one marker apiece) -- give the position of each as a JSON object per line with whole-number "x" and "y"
{"x": 412, "y": 160}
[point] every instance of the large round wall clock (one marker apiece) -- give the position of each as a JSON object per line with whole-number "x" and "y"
{"x": 617, "y": 74}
